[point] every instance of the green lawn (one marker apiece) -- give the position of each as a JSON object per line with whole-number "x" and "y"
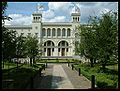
{"x": 113, "y": 67}
{"x": 108, "y": 79}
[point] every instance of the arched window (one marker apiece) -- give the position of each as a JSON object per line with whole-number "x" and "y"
{"x": 63, "y": 43}
{"x": 53, "y": 32}
{"x": 58, "y": 32}
{"x": 78, "y": 18}
{"x": 48, "y": 32}
{"x": 43, "y": 32}
{"x": 68, "y": 32}
{"x": 63, "y": 32}
{"x": 73, "y": 19}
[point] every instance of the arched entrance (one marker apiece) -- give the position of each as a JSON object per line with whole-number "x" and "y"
{"x": 62, "y": 48}
{"x": 49, "y": 48}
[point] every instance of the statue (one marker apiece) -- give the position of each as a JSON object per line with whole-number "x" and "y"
{"x": 77, "y": 9}
{"x": 39, "y": 7}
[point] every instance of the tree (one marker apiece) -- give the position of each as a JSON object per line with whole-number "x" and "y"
{"x": 20, "y": 46}
{"x": 31, "y": 47}
{"x": 8, "y": 37}
{"x": 99, "y": 40}
{"x": 88, "y": 43}
{"x": 4, "y": 17}
{"x": 107, "y": 41}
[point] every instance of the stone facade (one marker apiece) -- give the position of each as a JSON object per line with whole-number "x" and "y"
{"x": 57, "y": 38}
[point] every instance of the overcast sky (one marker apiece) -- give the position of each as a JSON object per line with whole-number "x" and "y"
{"x": 21, "y": 12}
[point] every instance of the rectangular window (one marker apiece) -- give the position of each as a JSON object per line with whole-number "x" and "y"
{"x": 67, "y": 50}
{"x": 58, "y": 49}
{"x": 52, "y": 49}
{"x": 44, "y": 49}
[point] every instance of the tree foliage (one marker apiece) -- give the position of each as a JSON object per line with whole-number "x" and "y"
{"x": 99, "y": 39}
{"x": 31, "y": 47}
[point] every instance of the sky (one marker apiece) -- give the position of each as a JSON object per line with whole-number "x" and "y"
{"x": 21, "y": 12}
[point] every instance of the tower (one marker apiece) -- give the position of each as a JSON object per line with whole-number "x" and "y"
{"x": 75, "y": 24}
{"x": 37, "y": 23}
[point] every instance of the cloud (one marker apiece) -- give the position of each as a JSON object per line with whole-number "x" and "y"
{"x": 61, "y": 12}
{"x": 19, "y": 19}
{"x": 58, "y": 19}
{"x": 48, "y": 14}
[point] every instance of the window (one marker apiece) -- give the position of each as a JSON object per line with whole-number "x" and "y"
{"x": 48, "y": 32}
{"x": 49, "y": 43}
{"x": 29, "y": 33}
{"x": 58, "y": 32}
{"x": 67, "y": 50}
{"x": 52, "y": 49}
{"x": 34, "y": 18}
{"x": 68, "y": 32}
{"x": 63, "y": 32}
{"x": 44, "y": 49}
{"x": 22, "y": 33}
{"x": 58, "y": 49}
{"x": 53, "y": 32}
{"x": 36, "y": 34}
{"x": 63, "y": 43}
{"x": 36, "y": 27}
{"x": 43, "y": 32}
{"x": 78, "y": 18}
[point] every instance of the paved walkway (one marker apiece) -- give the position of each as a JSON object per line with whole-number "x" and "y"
{"x": 60, "y": 76}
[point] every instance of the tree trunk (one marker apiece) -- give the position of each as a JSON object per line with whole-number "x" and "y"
{"x": 103, "y": 67}
{"x": 30, "y": 61}
{"x": 91, "y": 61}
{"x": 33, "y": 60}
{"x": 94, "y": 61}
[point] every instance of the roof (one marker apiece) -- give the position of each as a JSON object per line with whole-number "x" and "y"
{"x": 57, "y": 23}
{"x": 19, "y": 26}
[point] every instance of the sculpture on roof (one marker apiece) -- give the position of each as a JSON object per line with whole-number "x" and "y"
{"x": 39, "y": 7}
{"x": 77, "y": 9}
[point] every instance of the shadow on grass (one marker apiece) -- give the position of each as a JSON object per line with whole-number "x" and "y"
{"x": 21, "y": 77}
{"x": 109, "y": 71}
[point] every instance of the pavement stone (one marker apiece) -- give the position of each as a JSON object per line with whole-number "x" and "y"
{"x": 60, "y": 76}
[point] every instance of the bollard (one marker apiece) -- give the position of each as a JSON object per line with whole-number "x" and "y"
{"x": 79, "y": 71}
{"x": 72, "y": 66}
{"x": 44, "y": 66}
{"x": 31, "y": 85}
{"x": 68, "y": 64}
{"x": 93, "y": 81}
{"x": 40, "y": 69}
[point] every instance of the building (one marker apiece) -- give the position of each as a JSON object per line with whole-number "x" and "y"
{"x": 57, "y": 38}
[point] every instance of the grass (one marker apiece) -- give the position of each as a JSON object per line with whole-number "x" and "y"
{"x": 108, "y": 79}
{"x": 10, "y": 65}
{"x": 113, "y": 67}
{"x": 21, "y": 76}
